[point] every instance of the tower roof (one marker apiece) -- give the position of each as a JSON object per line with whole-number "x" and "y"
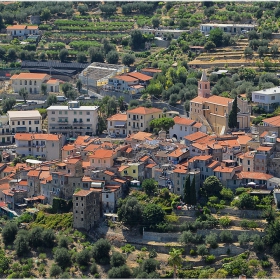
{"x": 203, "y": 76}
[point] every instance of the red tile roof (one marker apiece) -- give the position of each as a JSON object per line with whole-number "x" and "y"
{"x": 123, "y": 167}
{"x": 254, "y": 175}
{"x": 183, "y": 121}
{"x": 195, "y": 136}
{"x": 83, "y": 193}
{"x": 176, "y": 153}
{"x": 126, "y": 78}
{"x": 31, "y": 76}
{"x": 109, "y": 173}
{"x": 214, "y": 99}
{"x": 16, "y": 27}
{"x": 118, "y": 117}
{"x": 274, "y": 121}
{"x": 139, "y": 76}
{"x": 144, "y": 111}
{"x": 102, "y": 153}
{"x": 33, "y": 173}
{"x": 144, "y": 158}
{"x": 264, "y": 149}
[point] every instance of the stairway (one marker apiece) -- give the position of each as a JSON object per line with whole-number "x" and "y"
{"x": 206, "y": 123}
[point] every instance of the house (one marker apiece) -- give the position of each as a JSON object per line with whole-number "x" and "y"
{"x": 194, "y": 137}
{"x": 21, "y": 31}
{"x": 213, "y": 111}
{"x": 138, "y": 119}
{"x": 162, "y": 32}
{"x": 102, "y": 158}
{"x": 273, "y": 122}
{"x": 246, "y": 160}
{"x": 32, "y": 82}
{"x": 232, "y": 28}
{"x": 184, "y": 127}
{"x": 267, "y": 98}
{"x": 86, "y": 209}
{"x": 110, "y": 196}
{"x": 117, "y": 124}
{"x": 72, "y": 120}
{"x": 134, "y": 170}
{"x": 150, "y": 71}
{"x": 25, "y": 121}
{"x": 46, "y": 146}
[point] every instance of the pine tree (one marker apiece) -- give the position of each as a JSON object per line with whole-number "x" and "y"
{"x": 232, "y": 120}
{"x": 193, "y": 192}
{"x": 187, "y": 193}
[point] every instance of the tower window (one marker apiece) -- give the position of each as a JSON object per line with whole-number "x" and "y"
{"x": 205, "y": 86}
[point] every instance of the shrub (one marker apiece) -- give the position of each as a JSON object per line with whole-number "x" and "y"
{"x": 211, "y": 239}
{"x": 258, "y": 244}
{"x": 119, "y": 272}
{"x": 266, "y": 264}
{"x": 193, "y": 252}
{"x": 62, "y": 257}
{"x": 149, "y": 265}
{"x": 239, "y": 191}
{"x": 202, "y": 250}
{"x": 117, "y": 259}
{"x": 276, "y": 250}
{"x": 83, "y": 257}
{"x": 226, "y": 236}
{"x": 253, "y": 262}
{"x": 63, "y": 242}
{"x": 224, "y": 222}
{"x": 9, "y": 232}
{"x": 93, "y": 269}
{"x": 210, "y": 259}
{"x": 152, "y": 254}
{"x": 128, "y": 248}
{"x": 101, "y": 250}
{"x": 55, "y": 271}
{"x": 243, "y": 238}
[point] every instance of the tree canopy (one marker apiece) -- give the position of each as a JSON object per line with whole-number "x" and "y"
{"x": 164, "y": 123}
{"x": 212, "y": 186}
{"x": 152, "y": 215}
{"x": 232, "y": 119}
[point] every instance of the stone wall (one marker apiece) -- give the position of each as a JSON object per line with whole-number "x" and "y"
{"x": 250, "y": 214}
{"x": 234, "y": 232}
{"x": 160, "y": 237}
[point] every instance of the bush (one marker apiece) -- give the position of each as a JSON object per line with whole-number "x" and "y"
{"x": 93, "y": 269}
{"x": 211, "y": 239}
{"x": 128, "y": 248}
{"x": 55, "y": 271}
{"x": 83, "y": 257}
{"x": 224, "y": 222}
{"x": 266, "y": 264}
{"x": 119, "y": 272}
{"x": 202, "y": 250}
{"x": 226, "y": 236}
{"x": 258, "y": 244}
{"x": 248, "y": 224}
{"x": 63, "y": 242}
{"x": 193, "y": 252}
{"x": 276, "y": 250}
{"x": 62, "y": 257}
{"x": 210, "y": 259}
{"x": 243, "y": 238}
{"x": 149, "y": 265}
{"x": 239, "y": 191}
{"x": 152, "y": 254}
{"x": 101, "y": 250}
{"x": 9, "y": 232}
{"x": 117, "y": 259}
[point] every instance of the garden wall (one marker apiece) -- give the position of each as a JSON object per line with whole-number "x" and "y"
{"x": 233, "y": 231}
{"x": 251, "y": 214}
{"x": 160, "y": 237}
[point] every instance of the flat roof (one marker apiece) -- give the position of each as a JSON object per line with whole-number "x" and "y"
{"x": 34, "y": 161}
{"x": 228, "y": 24}
{"x": 66, "y": 108}
{"x": 24, "y": 114}
{"x": 273, "y": 90}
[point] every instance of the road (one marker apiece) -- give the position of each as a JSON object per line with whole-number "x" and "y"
{"x": 90, "y": 93}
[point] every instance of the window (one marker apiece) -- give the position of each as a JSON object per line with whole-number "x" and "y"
{"x": 134, "y": 171}
{"x": 77, "y": 204}
{"x": 248, "y": 162}
{"x": 75, "y": 113}
{"x": 107, "y": 195}
{"x": 52, "y": 144}
{"x": 60, "y": 112}
{"x": 178, "y": 189}
{"x": 18, "y": 122}
{"x": 88, "y": 113}
{"x": 80, "y": 113}
{"x": 262, "y": 98}
{"x": 53, "y": 112}
{"x": 13, "y": 123}
{"x": 65, "y": 112}
{"x": 272, "y": 97}
{"x": 82, "y": 219}
{"x": 23, "y": 122}
{"x": 82, "y": 212}
{"x": 36, "y": 122}
{"x": 248, "y": 169}
{"x": 82, "y": 198}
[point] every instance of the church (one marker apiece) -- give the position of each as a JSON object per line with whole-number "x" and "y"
{"x": 213, "y": 110}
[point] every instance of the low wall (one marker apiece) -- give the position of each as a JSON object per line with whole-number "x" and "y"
{"x": 234, "y": 232}
{"x": 160, "y": 237}
{"x": 253, "y": 214}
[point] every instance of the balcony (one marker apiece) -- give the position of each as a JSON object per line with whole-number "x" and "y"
{"x": 120, "y": 126}
{"x": 62, "y": 121}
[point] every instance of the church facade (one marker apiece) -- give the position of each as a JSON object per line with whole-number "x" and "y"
{"x": 213, "y": 110}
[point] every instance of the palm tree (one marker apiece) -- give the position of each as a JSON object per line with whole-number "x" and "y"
{"x": 175, "y": 260}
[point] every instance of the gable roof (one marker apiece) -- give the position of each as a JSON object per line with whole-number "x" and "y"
{"x": 118, "y": 117}
{"x": 32, "y": 76}
{"x": 274, "y": 121}
{"x": 83, "y": 193}
{"x": 126, "y": 78}
{"x": 183, "y": 121}
{"x": 139, "y": 76}
{"x": 144, "y": 111}
{"x": 195, "y": 136}
{"x": 224, "y": 101}
{"x": 102, "y": 153}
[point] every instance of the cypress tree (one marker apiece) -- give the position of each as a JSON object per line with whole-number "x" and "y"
{"x": 232, "y": 120}
{"x": 193, "y": 192}
{"x": 187, "y": 191}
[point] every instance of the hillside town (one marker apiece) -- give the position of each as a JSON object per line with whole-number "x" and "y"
{"x": 139, "y": 140}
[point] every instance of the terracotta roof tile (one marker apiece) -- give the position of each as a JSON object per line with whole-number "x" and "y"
{"x": 139, "y": 76}
{"x": 264, "y": 149}
{"x": 109, "y": 173}
{"x": 16, "y": 27}
{"x": 85, "y": 164}
{"x": 144, "y": 111}
{"x": 244, "y": 139}
{"x": 31, "y": 76}
{"x": 254, "y": 175}
{"x": 214, "y": 99}
{"x": 224, "y": 169}
{"x": 176, "y": 153}
{"x": 195, "y": 136}
{"x": 102, "y": 153}
{"x": 68, "y": 147}
{"x": 183, "y": 121}
{"x": 118, "y": 117}
{"x": 123, "y": 167}
{"x": 144, "y": 158}
{"x": 83, "y": 193}
{"x": 33, "y": 173}
{"x": 126, "y": 78}
{"x": 274, "y": 121}
{"x": 151, "y": 165}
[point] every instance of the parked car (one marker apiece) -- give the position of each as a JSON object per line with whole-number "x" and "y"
{"x": 81, "y": 97}
{"x": 17, "y": 106}
{"x": 61, "y": 98}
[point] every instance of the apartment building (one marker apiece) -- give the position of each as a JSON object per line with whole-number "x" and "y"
{"x": 45, "y": 146}
{"x": 24, "y": 121}
{"x": 267, "y": 98}
{"x": 32, "y": 82}
{"x": 232, "y": 28}
{"x": 72, "y": 120}
{"x": 86, "y": 209}
{"x": 116, "y": 124}
{"x": 138, "y": 119}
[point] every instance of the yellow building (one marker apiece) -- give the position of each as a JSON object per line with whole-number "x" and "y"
{"x": 213, "y": 111}
{"x": 134, "y": 170}
{"x": 138, "y": 119}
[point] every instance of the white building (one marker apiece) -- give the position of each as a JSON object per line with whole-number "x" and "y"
{"x": 46, "y": 146}
{"x": 184, "y": 127}
{"x": 116, "y": 124}
{"x": 267, "y": 98}
{"x": 73, "y": 120}
{"x": 32, "y": 82}
{"x": 25, "y": 121}
{"x": 228, "y": 27}
{"x": 21, "y": 31}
